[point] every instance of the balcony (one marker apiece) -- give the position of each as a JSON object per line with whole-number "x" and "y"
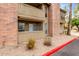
{"x": 32, "y": 13}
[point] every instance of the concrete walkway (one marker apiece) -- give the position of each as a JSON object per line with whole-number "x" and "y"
{"x": 74, "y": 33}
{"x": 39, "y": 48}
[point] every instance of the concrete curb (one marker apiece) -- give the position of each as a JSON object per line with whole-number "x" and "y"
{"x": 51, "y": 52}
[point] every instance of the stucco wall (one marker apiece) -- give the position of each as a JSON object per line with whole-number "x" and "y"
{"x": 24, "y": 36}
{"x": 31, "y": 12}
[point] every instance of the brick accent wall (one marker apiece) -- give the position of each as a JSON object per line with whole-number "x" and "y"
{"x": 54, "y": 19}
{"x": 8, "y": 24}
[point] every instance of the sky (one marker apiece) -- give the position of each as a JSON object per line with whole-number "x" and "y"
{"x": 62, "y": 5}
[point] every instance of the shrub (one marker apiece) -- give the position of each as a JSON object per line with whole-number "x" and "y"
{"x": 47, "y": 41}
{"x": 31, "y": 43}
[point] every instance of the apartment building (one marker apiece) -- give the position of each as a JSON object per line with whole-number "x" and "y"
{"x": 62, "y": 20}
{"x": 18, "y": 22}
{"x": 32, "y": 20}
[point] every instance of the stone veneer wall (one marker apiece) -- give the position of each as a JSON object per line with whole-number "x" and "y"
{"x": 54, "y": 19}
{"x": 8, "y": 24}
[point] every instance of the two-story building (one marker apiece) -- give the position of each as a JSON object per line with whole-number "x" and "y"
{"x": 18, "y": 22}
{"x": 32, "y": 20}
{"x": 62, "y": 20}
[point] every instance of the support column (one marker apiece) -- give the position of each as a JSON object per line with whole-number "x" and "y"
{"x": 43, "y": 9}
{"x": 54, "y": 20}
{"x": 8, "y": 24}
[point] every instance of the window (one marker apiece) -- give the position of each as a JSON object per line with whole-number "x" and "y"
{"x": 46, "y": 28}
{"x": 29, "y": 26}
{"x": 35, "y": 27}
{"x": 21, "y": 26}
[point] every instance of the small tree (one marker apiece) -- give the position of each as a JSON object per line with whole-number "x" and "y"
{"x": 75, "y": 22}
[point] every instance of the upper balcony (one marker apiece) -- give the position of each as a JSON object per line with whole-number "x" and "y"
{"x": 30, "y": 12}
{"x": 62, "y": 13}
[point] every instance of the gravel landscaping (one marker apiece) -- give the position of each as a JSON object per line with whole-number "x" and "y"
{"x": 39, "y": 49}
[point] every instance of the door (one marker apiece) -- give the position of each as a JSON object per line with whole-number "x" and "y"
{"x": 30, "y": 27}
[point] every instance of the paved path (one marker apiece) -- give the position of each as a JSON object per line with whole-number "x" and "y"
{"x": 71, "y": 49}
{"x": 75, "y": 33}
